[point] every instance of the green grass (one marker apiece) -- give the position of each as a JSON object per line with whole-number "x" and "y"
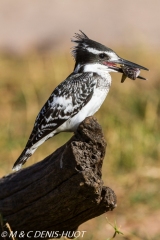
{"x": 130, "y": 118}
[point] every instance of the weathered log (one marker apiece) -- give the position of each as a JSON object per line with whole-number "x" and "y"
{"x": 62, "y": 191}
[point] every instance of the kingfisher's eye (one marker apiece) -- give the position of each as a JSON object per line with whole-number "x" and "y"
{"x": 102, "y": 55}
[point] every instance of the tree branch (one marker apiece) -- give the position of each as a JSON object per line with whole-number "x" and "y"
{"x": 62, "y": 191}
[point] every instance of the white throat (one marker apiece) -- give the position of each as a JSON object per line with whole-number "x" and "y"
{"x": 98, "y": 68}
{"x": 92, "y": 67}
{"x": 95, "y": 67}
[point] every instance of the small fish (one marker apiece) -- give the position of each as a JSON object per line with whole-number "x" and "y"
{"x": 131, "y": 73}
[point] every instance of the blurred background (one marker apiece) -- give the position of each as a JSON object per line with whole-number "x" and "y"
{"x": 35, "y": 57}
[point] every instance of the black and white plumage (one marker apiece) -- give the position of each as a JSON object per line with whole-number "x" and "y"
{"x": 77, "y": 97}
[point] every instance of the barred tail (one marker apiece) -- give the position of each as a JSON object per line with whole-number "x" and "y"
{"x": 27, "y": 153}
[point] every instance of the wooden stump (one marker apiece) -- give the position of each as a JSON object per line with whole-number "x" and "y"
{"x": 62, "y": 191}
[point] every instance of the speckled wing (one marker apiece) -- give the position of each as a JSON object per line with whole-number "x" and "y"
{"x": 66, "y": 101}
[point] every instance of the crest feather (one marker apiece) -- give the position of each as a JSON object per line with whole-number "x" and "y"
{"x": 80, "y": 39}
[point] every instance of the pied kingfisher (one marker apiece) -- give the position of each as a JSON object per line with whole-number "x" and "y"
{"x": 80, "y": 95}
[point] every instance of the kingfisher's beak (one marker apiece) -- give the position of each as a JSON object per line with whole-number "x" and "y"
{"x": 127, "y": 66}
{"x": 122, "y": 61}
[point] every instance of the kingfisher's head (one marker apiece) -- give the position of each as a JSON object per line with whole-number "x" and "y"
{"x": 93, "y": 56}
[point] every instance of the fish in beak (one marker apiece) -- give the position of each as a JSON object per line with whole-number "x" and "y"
{"x": 129, "y": 69}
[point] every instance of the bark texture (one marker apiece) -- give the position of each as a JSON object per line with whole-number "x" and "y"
{"x": 62, "y": 191}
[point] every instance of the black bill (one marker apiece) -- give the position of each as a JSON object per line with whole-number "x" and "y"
{"x": 129, "y": 69}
